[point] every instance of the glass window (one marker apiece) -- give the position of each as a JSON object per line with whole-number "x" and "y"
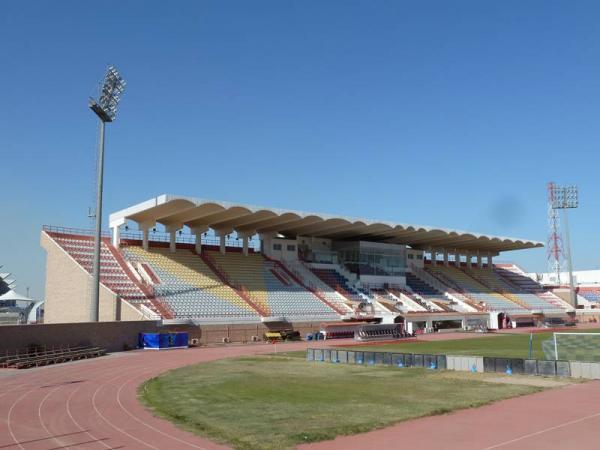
{"x": 277, "y": 247}
{"x": 291, "y": 248}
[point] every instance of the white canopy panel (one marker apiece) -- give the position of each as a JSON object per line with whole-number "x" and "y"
{"x": 175, "y": 212}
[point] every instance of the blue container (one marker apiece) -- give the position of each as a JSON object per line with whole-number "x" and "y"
{"x": 149, "y": 340}
{"x": 180, "y": 340}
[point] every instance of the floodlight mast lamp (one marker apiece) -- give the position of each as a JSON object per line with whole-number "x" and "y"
{"x": 567, "y": 197}
{"x": 105, "y": 108}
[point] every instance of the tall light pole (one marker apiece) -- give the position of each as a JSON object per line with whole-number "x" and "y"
{"x": 567, "y": 197}
{"x": 105, "y": 108}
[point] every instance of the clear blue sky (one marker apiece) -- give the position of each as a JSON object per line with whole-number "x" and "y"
{"x": 442, "y": 113}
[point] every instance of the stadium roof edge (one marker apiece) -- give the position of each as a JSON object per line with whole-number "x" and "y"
{"x": 178, "y": 211}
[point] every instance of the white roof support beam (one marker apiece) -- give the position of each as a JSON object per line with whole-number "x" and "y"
{"x": 169, "y": 210}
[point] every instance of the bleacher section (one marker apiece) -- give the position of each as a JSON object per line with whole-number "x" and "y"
{"x": 517, "y": 277}
{"x": 314, "y": 283}
{"x": 427, "y": 292}
{"x": 591, "y": 294}
{"x": 476, "y": 290}
{"x": 337, "y": 282}
{"x": 494, "y": 281}
{"x": 191, "y": 289}
{"x": 113, "y": 273}
{"x": 269, "y": 285}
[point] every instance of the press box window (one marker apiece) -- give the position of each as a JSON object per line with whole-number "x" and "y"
{"x": 277, "y": 247}
{"x": 291, "y": 248}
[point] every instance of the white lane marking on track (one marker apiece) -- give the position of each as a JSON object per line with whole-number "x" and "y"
{"x": 146, "y": 424}
{"x": 32, "y": 387}
{"x": 70, "y": 414}
{"x": 10, "y": 410}
{"x": 109, "y": 422}
{"x": 545, "y": 430}
{"x": 68, "y": 405}
{"x": 40, "y": 406}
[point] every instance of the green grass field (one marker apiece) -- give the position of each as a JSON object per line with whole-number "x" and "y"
{"x": 501, "y": 345}
{"x": 277, "y": 402}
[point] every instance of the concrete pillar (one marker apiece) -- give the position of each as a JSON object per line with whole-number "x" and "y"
{"x": 222, "y": 244}
{"x": 198, "y": 243}
{"x": 145, "y": 238}
{"x": 433, "y": 257}
{"x": 490, "y": 262}
{"x": 172, "y": 230}
{"x": 469, "y": 261}
{"x": 222, "y": 235}
{"x": 245, "y": 236}
{"x": 197, "y": 232}
{"x": 457, "y": 258}
{"x": 173, "y": 241}
{"x": 145, "y": 227}
{"x": 429, "y": 324}
{"x": 446, "y": 257}
{"x": 116, "y": 236}
{"x": 479, "y": 260}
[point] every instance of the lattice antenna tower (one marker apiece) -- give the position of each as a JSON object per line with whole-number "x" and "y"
{"x": 556, "y": 255}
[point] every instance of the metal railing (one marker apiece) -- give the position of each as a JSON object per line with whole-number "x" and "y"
{"x": 156, "y": 236}
{"x": 76, "y": 231}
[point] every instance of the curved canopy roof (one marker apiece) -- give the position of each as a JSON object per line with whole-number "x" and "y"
{"x": 175, "y": 212}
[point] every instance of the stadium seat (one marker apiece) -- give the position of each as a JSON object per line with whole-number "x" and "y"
{"x": 475, "y": 290}
{"x": 113, "y": 274}
{"x": 189, "y": 286}
{"x": 272, "y": 287}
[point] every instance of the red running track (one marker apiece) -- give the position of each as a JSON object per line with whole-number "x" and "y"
{"x": 93, "y": 405}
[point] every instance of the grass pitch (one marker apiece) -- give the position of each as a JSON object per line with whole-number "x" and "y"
{"x": 278, "y": 401}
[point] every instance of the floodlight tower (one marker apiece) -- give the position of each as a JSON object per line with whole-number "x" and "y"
{"x": 555, "y": 242}
{"x": 565, "y": 198}
{"x": 105, "y": 108}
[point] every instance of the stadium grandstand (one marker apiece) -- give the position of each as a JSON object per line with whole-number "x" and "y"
{"x": 209, "y": 262}
{"x": 14, "y": 307}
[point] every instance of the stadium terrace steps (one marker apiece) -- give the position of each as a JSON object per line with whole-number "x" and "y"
{"x": 282, "y": 271}
{"x": 407, "y": 300}
{"x": 189, "y": 286}
{"x": 427, "y": 292}
{"x": 442, "y": 284}
{"x": 477, "y": 291}
{"x": 314, "y": 284}
{"x": 516, "y": 277}
{"x": 114, "y": 274}
{"x": 338, "y": 282}
{"x": 494, "y": 281}
{"x": 256, "y": 275}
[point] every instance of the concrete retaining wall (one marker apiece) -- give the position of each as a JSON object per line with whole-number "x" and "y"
{"x": 516, "y": 366}
{"x": 113, "y": 336}
{"x": 122, "y": 335}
